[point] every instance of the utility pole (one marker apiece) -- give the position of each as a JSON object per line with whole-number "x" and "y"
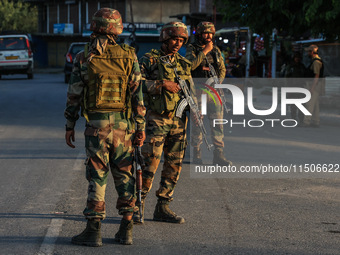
{"x": 248, "y": 53}
{"x": 274, "y": 37}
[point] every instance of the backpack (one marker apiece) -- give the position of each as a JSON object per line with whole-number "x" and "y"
{"x": 108, "y": 74}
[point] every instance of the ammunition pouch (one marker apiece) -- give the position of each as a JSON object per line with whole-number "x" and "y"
{"x": 155, "y": 103}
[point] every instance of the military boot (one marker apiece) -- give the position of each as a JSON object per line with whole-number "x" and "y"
{"x": 91, "y": 236}
{"x": 124, "y": 234}
{"x": 197, "y": 158}
{"x": 137, "y": 219}
{"x": 220, "y": 159}
{"x": 163, "y": 213}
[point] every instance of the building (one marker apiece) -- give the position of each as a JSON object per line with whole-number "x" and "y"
{"x": 62, "y": 22}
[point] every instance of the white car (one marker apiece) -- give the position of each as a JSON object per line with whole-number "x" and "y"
{"x": 16, "y": 56}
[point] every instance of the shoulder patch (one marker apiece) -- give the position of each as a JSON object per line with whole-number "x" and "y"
{"x": 154, "y": 52}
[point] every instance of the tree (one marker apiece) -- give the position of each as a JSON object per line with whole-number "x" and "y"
{"x": 18, "y": 16}
{"x": 290, "y": 17}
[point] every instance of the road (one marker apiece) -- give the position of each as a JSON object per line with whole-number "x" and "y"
{"x": 44, "y": 188}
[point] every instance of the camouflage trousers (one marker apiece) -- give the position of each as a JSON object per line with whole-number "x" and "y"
{"x": 168, "y": 135}
{"x": 214, "y": 111}
{"x": 109, "y": 147}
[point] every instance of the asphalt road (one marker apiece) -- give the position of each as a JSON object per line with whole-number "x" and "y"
{"x": 44, "y": 188}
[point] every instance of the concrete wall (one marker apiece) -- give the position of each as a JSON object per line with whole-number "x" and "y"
{"x": 156, "y": 11}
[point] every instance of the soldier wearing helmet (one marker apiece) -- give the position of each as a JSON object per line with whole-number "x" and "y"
{"x": 200, "y": 53}
{"x": 165, "y": 133}
{"x": 105, "y": 85}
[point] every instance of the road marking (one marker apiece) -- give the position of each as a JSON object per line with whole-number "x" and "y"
{"x": 47, "y": 246}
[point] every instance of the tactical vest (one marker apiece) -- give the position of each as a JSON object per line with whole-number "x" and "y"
{"x": 167, "y": 101}
{"x": 213, "y": 58}
{"x": 310, "y": 72}
{"x": 107, "y": 88}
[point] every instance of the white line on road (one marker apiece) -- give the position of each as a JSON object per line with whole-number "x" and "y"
{"x": 51, "y": 237}
{"x": 47, "y": 246}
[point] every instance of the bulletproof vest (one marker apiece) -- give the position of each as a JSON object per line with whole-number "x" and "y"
{"x": 107, "y": 88}
{"x": 309, "y": 71}
{"x": 167, "y": 101}
{"x": 213, "y": 58}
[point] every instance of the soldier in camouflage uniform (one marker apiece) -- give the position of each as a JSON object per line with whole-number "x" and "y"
{"x": 164, "y": 131}
{"x": 105, "y": 84}
{"x": 201, "y": 51}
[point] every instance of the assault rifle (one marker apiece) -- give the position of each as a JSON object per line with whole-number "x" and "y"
{"x": 139, "y": 165}
{"x": 188, "y": 100}
{"x": 213, "y": 75}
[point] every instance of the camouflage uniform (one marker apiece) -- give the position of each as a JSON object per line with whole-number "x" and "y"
{"x": 200, "y": 70}
{"x": 109, "y": 99}
{"x": 108, "y": 134}
{"x": 164, "y": 132}
{"x": 196, "y": 56}
{"x": 108, "y": 141}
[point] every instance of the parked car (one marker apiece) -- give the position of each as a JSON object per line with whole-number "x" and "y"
{"x": 16, "y": 56}
{"x": 69, "y": 57}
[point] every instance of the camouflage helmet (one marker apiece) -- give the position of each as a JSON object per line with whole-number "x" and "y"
{"x": 107, "y": 21}
{"x": 205, "y": 27}
{"x": 174, "y": 29}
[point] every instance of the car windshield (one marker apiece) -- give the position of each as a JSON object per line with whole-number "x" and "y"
{"x": 76, "y": 48}
{"x": 15, "y": 43}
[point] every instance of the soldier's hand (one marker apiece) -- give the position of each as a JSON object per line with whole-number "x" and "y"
{"x": 139, "y": 138}
{"x": 171, "y": 86}
{"x": 208, "y": 47}
{"x": 69, "y": 137}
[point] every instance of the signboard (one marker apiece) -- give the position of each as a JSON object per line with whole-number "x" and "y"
{"x": 63, "y": 28}
{"x": 143, "y": 29}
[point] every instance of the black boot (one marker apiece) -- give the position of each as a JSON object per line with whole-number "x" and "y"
{"x": 220, "y": 159}
{"x": 91, "y": 236}
{"x": 197, "y": 158}
{"x": 137, "y": 219}
{"x": 124, "y": 234}
{"x": 163, "y": 213}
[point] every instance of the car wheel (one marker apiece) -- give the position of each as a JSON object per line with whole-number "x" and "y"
{"x": 30, "y": 73}
{"x": 67, "y": 78}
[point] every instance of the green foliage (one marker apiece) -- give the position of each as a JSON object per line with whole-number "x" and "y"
{"x": 290, "y": 17}
{"x": 18, "y": 16}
